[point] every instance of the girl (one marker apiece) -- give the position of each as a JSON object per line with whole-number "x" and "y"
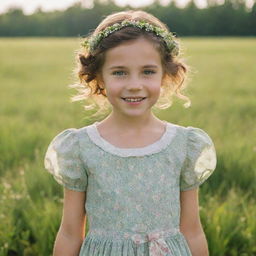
{"x": 133, "y": 175}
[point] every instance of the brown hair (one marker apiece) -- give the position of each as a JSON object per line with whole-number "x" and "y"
{"x": 90, "y": 63}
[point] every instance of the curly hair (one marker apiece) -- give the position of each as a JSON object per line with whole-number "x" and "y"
{"x": 89, "y": 64}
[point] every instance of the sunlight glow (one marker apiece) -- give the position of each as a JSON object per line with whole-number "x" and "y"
{"x": 29, "y": 6}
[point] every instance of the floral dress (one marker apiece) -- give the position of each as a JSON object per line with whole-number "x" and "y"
{"x": 132, "y": 194}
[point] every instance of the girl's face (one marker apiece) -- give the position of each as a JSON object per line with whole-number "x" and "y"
{"x": 132, "y": 70}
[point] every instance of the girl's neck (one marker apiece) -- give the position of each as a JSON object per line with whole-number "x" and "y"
{"x": 136, "y": 124}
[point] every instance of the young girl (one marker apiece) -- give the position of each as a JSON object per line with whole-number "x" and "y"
{"x": 134, "y": 176}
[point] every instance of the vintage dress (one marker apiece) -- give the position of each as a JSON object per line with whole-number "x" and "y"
{"x": 133, "y": 194}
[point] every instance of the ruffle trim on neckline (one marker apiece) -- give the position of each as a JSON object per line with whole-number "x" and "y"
{"x": 153, "y": 148}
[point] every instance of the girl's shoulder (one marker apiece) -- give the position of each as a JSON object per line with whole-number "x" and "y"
{"x": 65, "y": 136}
{"x": 70, "y": 136}
{"x": 192, "y": 134}
{"x": 197, "y": 136}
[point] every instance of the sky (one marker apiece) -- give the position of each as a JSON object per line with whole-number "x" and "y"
{"x": 29, "y": 6}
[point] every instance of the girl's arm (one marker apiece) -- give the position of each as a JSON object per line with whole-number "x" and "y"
{"x": 190, "y": 224}
{"x": 72, "y": 229}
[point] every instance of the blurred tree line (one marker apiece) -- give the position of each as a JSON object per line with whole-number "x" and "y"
{"x": 232, "y": 18}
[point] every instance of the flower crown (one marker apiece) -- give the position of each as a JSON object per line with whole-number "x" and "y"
{"x": 168, "y": 37}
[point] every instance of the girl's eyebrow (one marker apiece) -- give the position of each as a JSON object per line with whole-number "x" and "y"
{"x": 146, "y": 66}
{"x": 114, "y": 67}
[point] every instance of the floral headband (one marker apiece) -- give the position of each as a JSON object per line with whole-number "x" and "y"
{"x": 168, "y": 37}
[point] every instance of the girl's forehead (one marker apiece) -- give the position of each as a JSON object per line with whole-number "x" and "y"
{"x": 139, "y": 52}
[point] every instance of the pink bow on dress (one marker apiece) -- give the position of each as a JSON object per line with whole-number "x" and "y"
{"x": 157, "y": 246}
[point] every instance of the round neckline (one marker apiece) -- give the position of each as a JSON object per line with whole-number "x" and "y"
{"x": 133, "y": 148}
{"x": 158, "y": 145}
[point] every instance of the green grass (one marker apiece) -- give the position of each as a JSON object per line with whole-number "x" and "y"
{"x": 35, "y": 106}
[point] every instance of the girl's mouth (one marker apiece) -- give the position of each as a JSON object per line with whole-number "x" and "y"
{"x": 134, "y": 100}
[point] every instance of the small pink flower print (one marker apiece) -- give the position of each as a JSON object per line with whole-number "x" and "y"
{"x": 156, "y": 197}
{"x": 138, "y": 207}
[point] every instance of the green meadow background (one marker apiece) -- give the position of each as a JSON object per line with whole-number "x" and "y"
{"x": 35, "y": 106}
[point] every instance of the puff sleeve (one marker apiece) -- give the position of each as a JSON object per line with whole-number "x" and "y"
{"x": 200, "y": 159}
{"x": 62, "y": 160}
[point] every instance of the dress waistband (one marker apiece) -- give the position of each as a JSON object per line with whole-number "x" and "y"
{"x": 156, "y": 239}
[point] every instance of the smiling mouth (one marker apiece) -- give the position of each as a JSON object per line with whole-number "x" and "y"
{"x": 134, "y": 99}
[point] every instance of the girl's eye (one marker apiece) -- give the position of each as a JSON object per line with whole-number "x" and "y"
{"x": 121, "y": 73}
{"x": 117, "y": 73}
{"x": 149, "y": 72}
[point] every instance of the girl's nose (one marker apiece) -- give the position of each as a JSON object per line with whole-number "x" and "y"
{"x": 134, "y": 83}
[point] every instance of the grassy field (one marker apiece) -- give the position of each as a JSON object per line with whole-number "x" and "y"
{"x": 35, "y": 106}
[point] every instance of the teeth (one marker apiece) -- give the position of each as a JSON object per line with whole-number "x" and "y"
{"x": 133, "y": 100}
